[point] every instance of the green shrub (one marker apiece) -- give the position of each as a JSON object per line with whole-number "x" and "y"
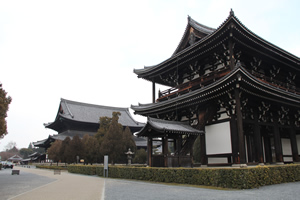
{"x": 140, "y": 156}
{"x": 239, "y": 178}
{"x": 51, "y": 167}
{"x": 82, "y": 169}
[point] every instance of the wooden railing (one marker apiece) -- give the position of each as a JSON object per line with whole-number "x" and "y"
{"x": 213, "y": 76}
{"x": 276, "y": 83}
{"x": 192, "y": 85}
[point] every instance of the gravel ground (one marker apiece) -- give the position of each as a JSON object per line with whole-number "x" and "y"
{"x": 136, "y": 190}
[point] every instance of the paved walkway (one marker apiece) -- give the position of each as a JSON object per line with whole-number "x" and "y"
{"x": 43, "y": 184}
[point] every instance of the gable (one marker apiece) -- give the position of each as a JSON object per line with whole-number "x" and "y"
{"x": 193, "y": 33}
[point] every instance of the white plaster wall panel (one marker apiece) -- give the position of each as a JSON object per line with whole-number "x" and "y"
{"x": 286, "y": 146}
{"x": 217, "y": 160}
{"x": 287, "y": 159}
{"x": 218, "y": 138}
{"x": 298, "y": 142}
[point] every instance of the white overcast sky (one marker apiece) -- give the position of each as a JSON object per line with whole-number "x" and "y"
{"x": 86, "y": 50}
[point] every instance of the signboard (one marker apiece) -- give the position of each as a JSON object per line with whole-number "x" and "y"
{"x": 106, "y": 162}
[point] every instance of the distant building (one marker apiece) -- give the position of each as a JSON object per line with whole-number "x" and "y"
{"x": 240, "y": 90}
{"x": 76, "y": 118}
{"x": 15, "y": 159}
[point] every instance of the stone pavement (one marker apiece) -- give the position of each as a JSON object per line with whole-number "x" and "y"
{"x": 63, "y": 186}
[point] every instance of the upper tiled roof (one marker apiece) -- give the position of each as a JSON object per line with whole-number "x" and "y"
{"x": 202, "y": 45}
{"x": 90, "y": 113}
{"x": 200, "y": 32}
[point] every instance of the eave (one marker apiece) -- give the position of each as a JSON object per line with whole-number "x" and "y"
{"x": 246, "y": 81}
{"x": 158, "y": 127}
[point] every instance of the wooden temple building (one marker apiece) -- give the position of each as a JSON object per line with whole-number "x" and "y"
{"x": 237, "y": 91}
{"x": 77, "y": 118}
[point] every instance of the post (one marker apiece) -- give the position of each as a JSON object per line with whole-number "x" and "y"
{"x": 153, "y": 92}
{"x": 149, "y": 153}
{"x": 105, "y": 169}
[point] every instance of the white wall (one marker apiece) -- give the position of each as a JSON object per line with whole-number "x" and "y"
{"x": 298, "y": 142}
{"x": 218, "y": 138}
{"x": 217, "y": 160}
{"x": 286, "y": 149}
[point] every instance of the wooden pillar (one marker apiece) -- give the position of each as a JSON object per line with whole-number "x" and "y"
{"x": 149, "y": 149}
{"x": 153, "y": 92}
{"x": 257, "y": 139}
{"x": 268, "y": 150}
{"x": 178, "y": 148}
{"x": 294, "y": 145}
{"x": 240, "y": 131}
{"x": 201, "y": 126}
{"x": 234, "y": 140}
{"x": 165, "y": 149}
{"x": 203, "y": 156}
{"x": 277, "y": 142}
{"x": 191, "y": 145}
{"x": 249, "y": 148}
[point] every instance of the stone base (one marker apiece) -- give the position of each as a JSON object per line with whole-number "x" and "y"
{"x": 239, "y": 165}
{"x": 278, "y": 163}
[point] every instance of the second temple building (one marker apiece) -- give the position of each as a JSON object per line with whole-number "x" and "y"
{"x": 236, "y": 91}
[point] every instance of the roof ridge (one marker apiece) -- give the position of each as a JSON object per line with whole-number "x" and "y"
{"x": 192, "y": 22}
{"x": 92, "y": 105}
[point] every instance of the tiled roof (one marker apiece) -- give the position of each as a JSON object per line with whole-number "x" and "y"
{"x": 90, "y": 113}
{"x": 165, "y": 126}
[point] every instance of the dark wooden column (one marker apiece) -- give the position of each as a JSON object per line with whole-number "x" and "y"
{"x": 165, "y": 149}
{"x": 277, "y": 142}
{"x": 149, "y": 149}
{"x": 268, "y": 150}
{"x": 240, "y": 130}
{"x": 201, "y": 126}
{"x": 153, "y": 92}
{"x": 178, "y": 148}
{"x": 257, "y": 139}
{"x": 294, "y": 144}
{"x": 203, "y": 155}
{"x": 234, "y": 140}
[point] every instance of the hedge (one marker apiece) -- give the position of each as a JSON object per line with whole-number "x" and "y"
{"x": 238, "y": 178}
{"x": 51, "y": 167}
